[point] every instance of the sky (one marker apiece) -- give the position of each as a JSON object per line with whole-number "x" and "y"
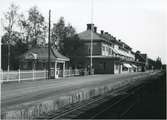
{"x": 142, "y": 24}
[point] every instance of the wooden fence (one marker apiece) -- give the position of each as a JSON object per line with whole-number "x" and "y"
{"x": 22, "y": 75}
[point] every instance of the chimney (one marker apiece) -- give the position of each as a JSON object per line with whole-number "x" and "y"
{"x": 102, "y": 32}
{"x": 138, "y": 52}
{"x": 90, "y": 26}
{"x": 95, "y": 29}
{"x": 106, "y": 33}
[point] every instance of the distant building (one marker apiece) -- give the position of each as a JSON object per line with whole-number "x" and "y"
{"x": 141, "y": 61}
{"x": 110, "y": 56}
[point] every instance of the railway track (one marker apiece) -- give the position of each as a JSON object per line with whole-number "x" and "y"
{"x": 117, "y": 98}
{"x": 75, "y": 110}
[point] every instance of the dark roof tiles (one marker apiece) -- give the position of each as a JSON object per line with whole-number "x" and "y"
{"x": 42, "y": 53}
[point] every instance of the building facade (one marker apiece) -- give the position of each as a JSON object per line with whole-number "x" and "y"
{"x": 109, "y": 55}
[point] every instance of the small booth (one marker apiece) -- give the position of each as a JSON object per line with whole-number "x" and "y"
{"x": 37, "y": 59}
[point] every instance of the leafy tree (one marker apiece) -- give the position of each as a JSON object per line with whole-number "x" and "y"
{"x": 17, "y": 47}
{"x": 34, "y": 27}
{"x": 73, "y": 48}
{"x": 11, "y": 18}
{"x": 68, "y": 43}
{"x": 10, "y": 36}
{"x": 59, "y": 34}
{"x": 158, "y": 63}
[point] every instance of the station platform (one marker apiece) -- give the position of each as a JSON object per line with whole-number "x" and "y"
{"x": 15, "y": 96}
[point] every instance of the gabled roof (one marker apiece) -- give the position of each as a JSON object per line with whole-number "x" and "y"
{"x": 58, "y": 55}
{"x": 42, "y": 54}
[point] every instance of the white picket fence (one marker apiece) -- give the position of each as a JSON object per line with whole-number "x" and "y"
{"x": 69, "y": 72}
{"x": 22, "y": 75}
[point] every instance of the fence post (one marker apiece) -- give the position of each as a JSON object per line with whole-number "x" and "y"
{"x": 70, "y": 73}
{"x": 19, "y": 75}
{"x": 75, "y": 72}
{"x": 45, "y": 73}
{"x": 33, "y": 74}
{"x": 1, "y": 76}
{"x": 7, "y": 76}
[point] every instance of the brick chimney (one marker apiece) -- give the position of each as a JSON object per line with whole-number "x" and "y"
{"x": 102, "y": 32}
{"x": 90, "y": 26}
{"x": 95, "y": 29}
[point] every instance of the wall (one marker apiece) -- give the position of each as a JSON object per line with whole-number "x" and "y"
{"x": 96, "y": 48}
{"x": 117, "y": 68}
{"x": 103, "y": 66}
{"x": 32, "y": 110}
{"x": 106, "y": 49}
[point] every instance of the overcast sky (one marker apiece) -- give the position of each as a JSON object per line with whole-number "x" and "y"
{"x": 142, "y": 24}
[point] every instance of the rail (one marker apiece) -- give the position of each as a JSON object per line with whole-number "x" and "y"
{"x": 74, "y": 110}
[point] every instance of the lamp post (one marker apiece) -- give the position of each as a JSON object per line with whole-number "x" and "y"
{"x": 0, "y": 64}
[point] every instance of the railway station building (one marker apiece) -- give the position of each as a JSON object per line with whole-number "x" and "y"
{"x": 109, "y": 55}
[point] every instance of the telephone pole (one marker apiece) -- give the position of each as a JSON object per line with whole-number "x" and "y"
{"x": 49, "y": 47}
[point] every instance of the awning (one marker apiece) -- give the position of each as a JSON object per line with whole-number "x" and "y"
{"x": 127, "y": 65}
{"x": 134, "y": 66}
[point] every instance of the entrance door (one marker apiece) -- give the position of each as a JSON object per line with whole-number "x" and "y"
{"x": 60, "y": 69}
{"x": 119, "y": 69}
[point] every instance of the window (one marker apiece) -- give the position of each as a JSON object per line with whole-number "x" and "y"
{"x": 103, "y": 48}
{"x": 110, "y": 51}
{"x": 117, "y": 66}
{"x": 88, "y": 50}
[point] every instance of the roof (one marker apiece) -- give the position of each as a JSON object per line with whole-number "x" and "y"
{"x": 86, "y": 35}
{"x": 42, "y": 54}
{"x": 104, "y": 57}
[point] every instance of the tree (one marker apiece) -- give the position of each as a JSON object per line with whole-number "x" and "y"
{"x": 158, "y": 63}
{"x": 8, "y": 39}
{"x": 73, "y": 48}
{"x": 59, "y": 34}
{"x": 68, "y": 42}
{"x": 11, "y": 18}
{"x": 17, "y": 47}
{"x": 34, "y": 27}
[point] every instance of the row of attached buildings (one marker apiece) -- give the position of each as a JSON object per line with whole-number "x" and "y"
{"x": 109, "y": 55}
